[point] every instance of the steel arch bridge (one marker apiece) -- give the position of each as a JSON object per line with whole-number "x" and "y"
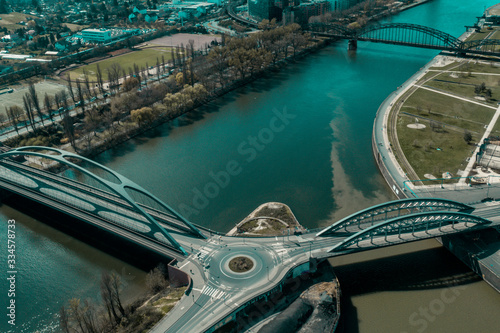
{"x": 383, "y": 212}
{"x": 406, "y": 34}
{"x": 111, "y": 196}
{"x": 409, "y": 228}
{"x": 485, "y": 45}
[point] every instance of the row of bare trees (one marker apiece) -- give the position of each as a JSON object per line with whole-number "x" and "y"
{"x": 84, "y": 316}
{"x": 239, "y": 58}
{"x": 88, "y": 317}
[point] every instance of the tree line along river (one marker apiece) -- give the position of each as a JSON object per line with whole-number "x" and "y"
{"x": 302, "y": 137}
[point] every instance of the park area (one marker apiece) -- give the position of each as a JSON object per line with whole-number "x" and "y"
{"x": 439, "y": 124}
{"x": 143, "y": 57}
{"x": 11, "y": 20}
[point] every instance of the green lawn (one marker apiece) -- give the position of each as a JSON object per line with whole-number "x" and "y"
{"x": 420, "y": 147}
{"x": 440, "y": 146}
{"x": 496, "y": 129}
{"x": 10, "y": 20}
{"x": 140, "y": 57}
{"x": 448, "y": 110}
{"x": 465, "y": 89}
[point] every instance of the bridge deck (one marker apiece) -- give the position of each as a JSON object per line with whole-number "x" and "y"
{"x": 216, "y": 290}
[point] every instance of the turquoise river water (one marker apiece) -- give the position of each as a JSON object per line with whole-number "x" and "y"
{"x": 302, "y": 137}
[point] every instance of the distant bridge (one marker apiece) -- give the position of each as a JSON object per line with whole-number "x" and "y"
{"x": 407, "y": 35}
{"x": 107, "y": 200}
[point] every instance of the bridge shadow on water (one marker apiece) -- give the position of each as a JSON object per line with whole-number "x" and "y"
{"x": 410, "y": 271}
{"x": 434, "y": 268}
{"x": 73, "y": 228}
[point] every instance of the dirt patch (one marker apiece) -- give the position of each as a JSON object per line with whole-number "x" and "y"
{"x": 119, "y": 52}
{"x": 241, "y": 264}
{"x": 416, "y": 126}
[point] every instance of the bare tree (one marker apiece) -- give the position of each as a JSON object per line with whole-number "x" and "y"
{"x": 100, "y": 79}
{"x": 35, "y": 101}
{"x": 81, "y": 98}
{"x": 14, "y": 113}
{"x": 110, "y": 293}
{"x": 158, "y": 69}
{"x": 28, "y": 109}
{"x": 82, "y": 314}
{"x": 47, "y": 101}
{"x": 70, "y": 88}
{"x": 89, "y": 90}
{"x": 64, "y": 320}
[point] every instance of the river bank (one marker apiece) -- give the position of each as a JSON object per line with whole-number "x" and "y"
{"x": 479, "y": 256}
{"x": 320, "y": 165}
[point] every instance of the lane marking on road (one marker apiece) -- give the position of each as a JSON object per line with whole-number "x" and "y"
{"x": 184, "y": 265}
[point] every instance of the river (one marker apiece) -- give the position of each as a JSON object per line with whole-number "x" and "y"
{"x": 302, "y": 137}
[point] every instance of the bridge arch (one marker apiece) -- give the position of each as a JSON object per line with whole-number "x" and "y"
{"x": 409, "y": 34}
{"x": 372, "y": 215}
{"x": 410, "y": 227}
{"x": 118, "y": 185}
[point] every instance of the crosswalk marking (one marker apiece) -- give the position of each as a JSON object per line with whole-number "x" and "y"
{"x": 213, "y": 292}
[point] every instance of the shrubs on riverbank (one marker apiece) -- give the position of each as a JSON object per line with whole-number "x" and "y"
{"x": 115, "y": 316}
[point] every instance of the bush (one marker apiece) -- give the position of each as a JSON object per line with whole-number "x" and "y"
{"x": 156, "y": 281}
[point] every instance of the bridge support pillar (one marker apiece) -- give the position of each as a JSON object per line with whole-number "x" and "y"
{"x": 352, "y": 45}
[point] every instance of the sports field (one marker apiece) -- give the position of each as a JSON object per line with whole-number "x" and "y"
{"x": 16, "y": 97}
{"x": 142, "y": 57}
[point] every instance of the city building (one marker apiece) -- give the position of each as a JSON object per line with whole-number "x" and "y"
{"x": 96, "y": 35}
{"x": 303, "y": 12}
{"x": 264, "y": 10}
{"x": 306, "y": 10}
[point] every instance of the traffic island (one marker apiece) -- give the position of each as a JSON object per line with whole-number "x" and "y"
{"x": 241, "y": 264}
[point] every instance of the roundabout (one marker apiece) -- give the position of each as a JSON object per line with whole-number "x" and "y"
{"x": 229, "y": 266}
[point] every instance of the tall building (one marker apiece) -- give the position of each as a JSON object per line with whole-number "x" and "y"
{"x": 301, "y": 13}
{"x": 307, "y": 10}
{"x": 265, "y": 9}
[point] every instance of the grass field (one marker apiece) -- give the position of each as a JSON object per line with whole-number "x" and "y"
{"x": 10, "y": 20}
{"x": 444, "y": 148}
{"x": 420, "y": 147}
{"x": 75, "y": 27}
{"x": 16, "y": 98}
{"x": 448, "y": 110}
{"x": 141, "y": 58}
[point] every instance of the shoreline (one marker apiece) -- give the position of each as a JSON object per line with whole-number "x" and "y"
{"x": 282, "y": 64}
{"x": 462, "y": 247}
